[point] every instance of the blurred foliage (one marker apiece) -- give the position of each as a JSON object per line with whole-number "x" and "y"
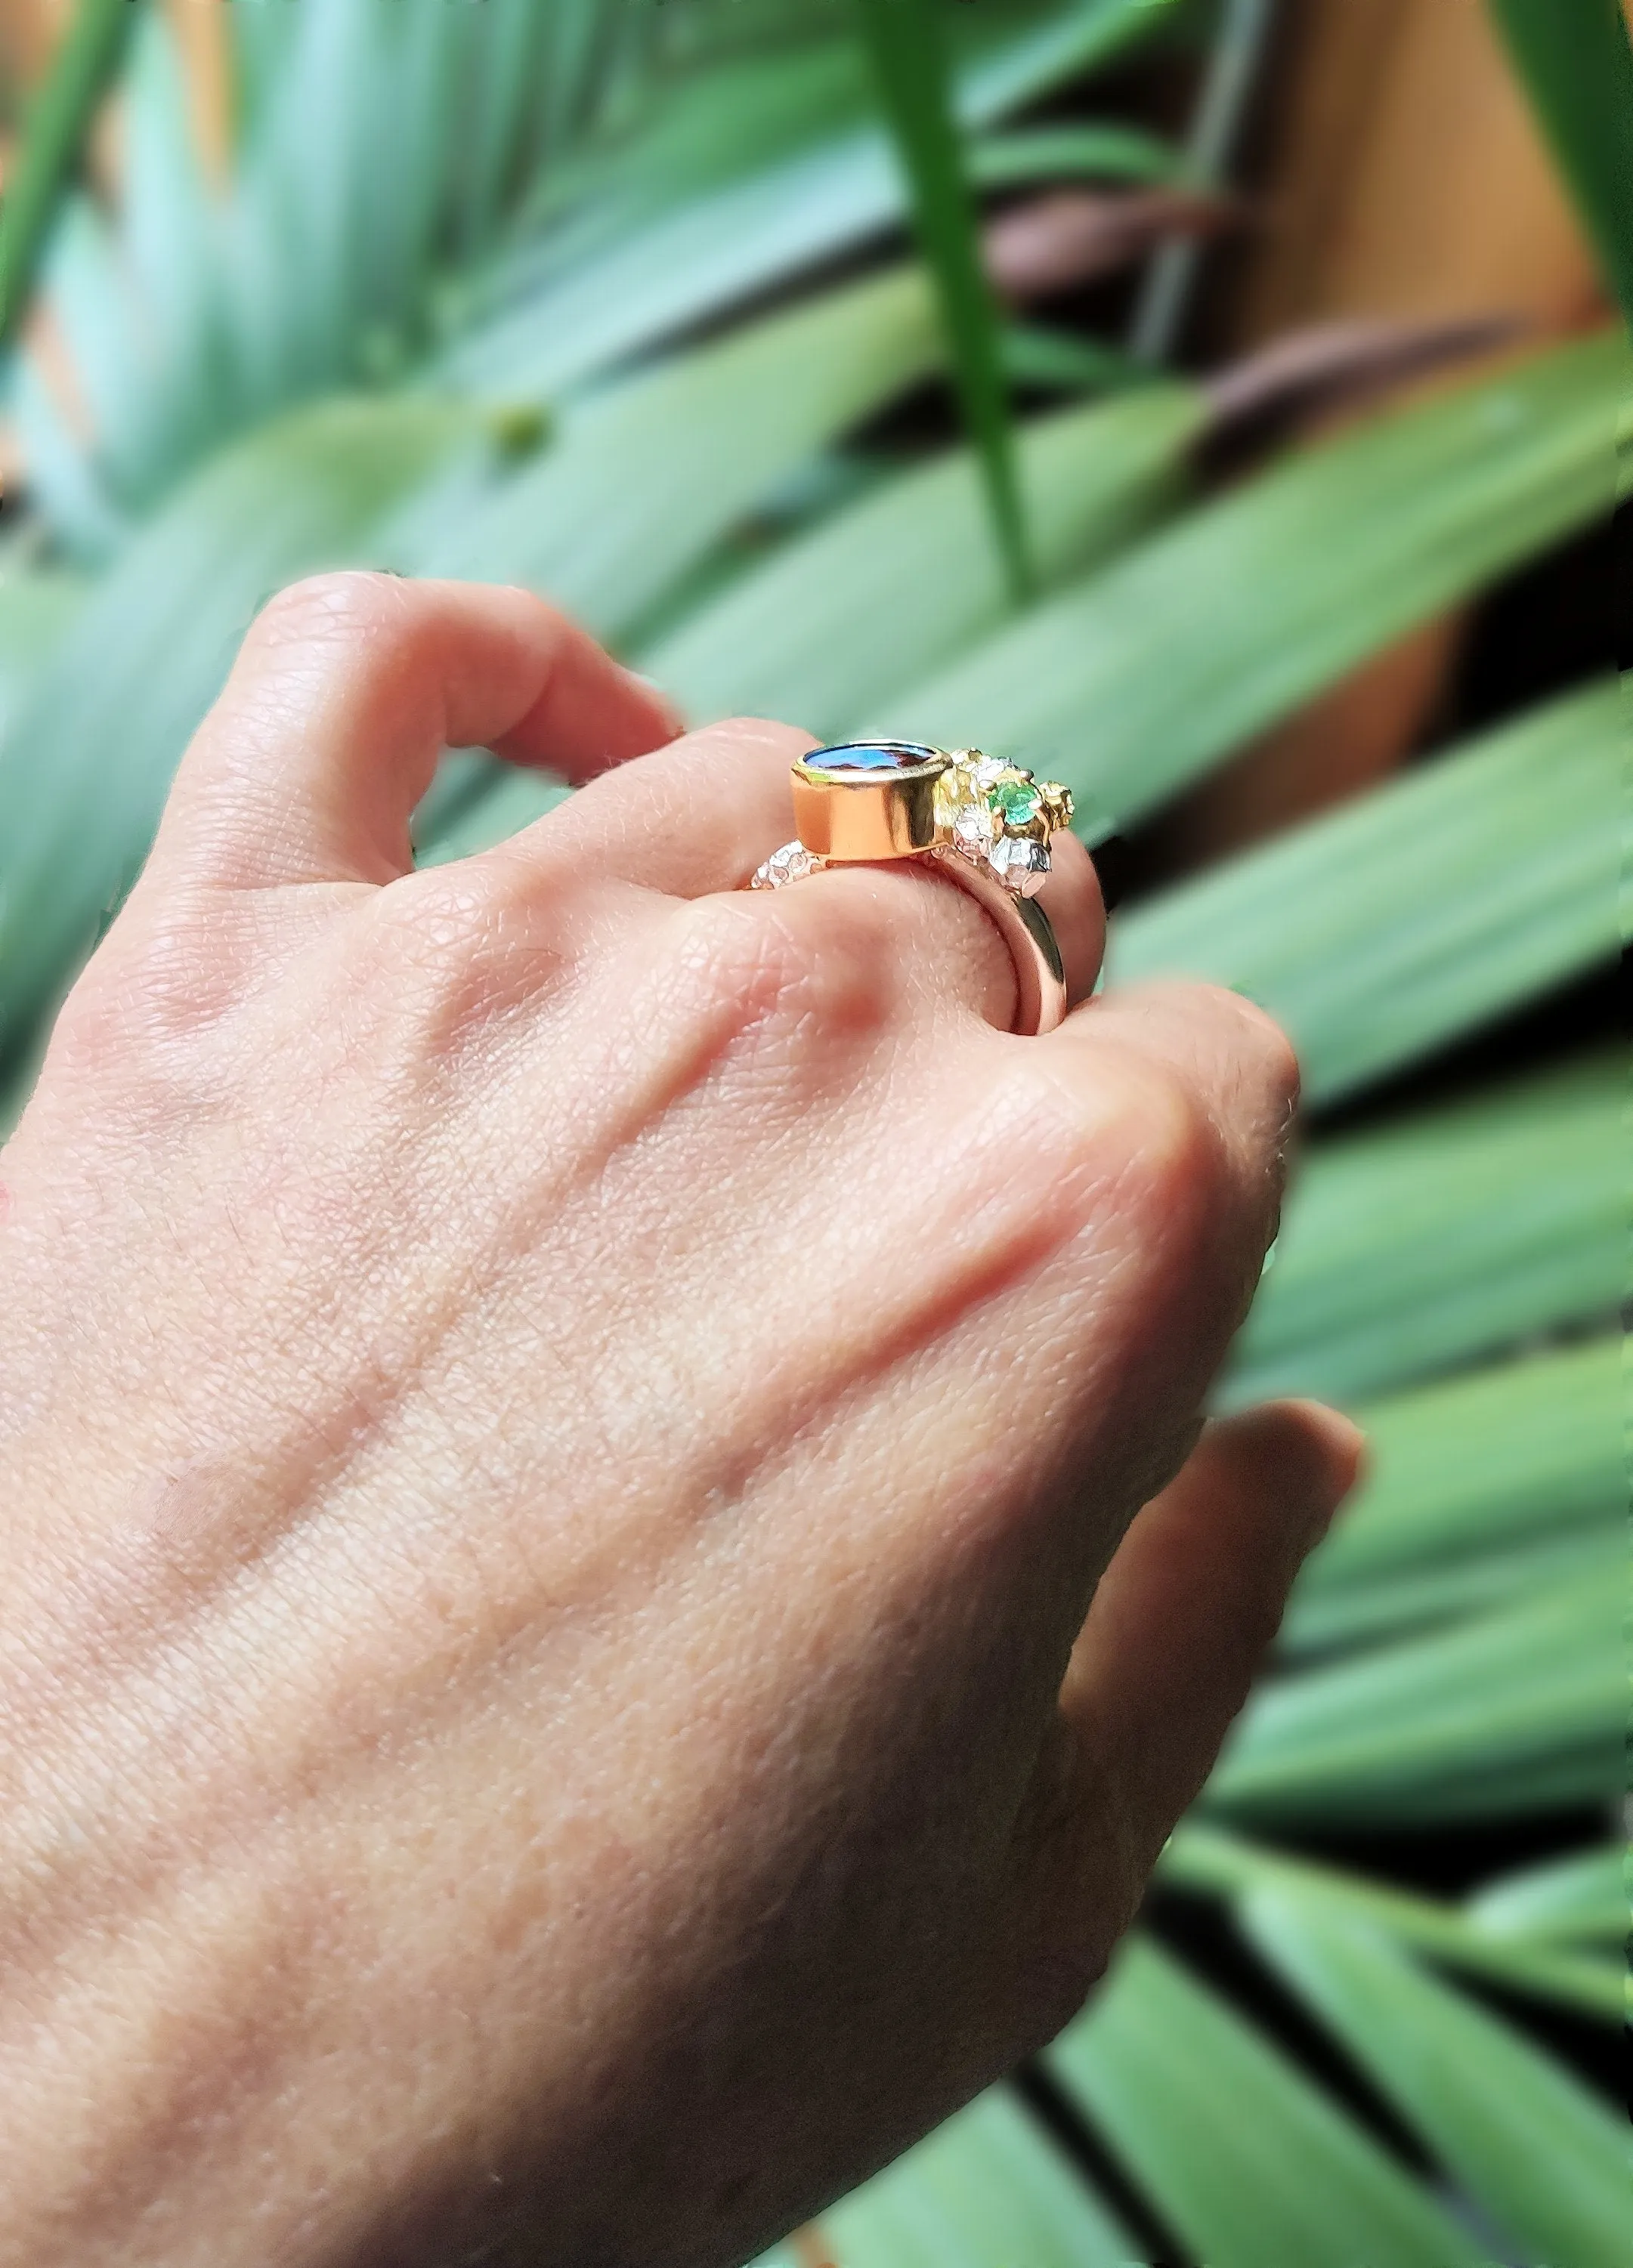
{"x": 610, "y": 298}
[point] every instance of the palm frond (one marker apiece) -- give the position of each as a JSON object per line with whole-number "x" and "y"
{"x": 1546, "y": 2159}
{"x": 833, "y": 621}
{"x": 1421, "y": 912}
{"x": 1206, "y": 1859}
{"x": 1443, "y": 1237}
{"x": 1131, "y": 684}
{"x": 1519, "y": 1709}
{"x": 1561, "y": 1902}
{"x": 986, "y": 2191}
{"x": 1255, "y": 2166}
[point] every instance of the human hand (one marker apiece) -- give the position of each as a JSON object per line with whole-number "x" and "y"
{"x": 560, "y": 1425}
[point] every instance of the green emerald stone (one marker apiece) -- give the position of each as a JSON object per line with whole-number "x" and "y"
{"x": 1015, "y": 801}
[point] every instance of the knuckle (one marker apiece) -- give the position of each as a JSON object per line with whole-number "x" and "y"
{"x": 424, "y": 957}
{"x": 1137, "y": 1136}
{"x": 1169, "y": 1155}
{"x": 769, "y": 969}
{"x": 347, "y": 606}
{"x": 1267, "y": 1059}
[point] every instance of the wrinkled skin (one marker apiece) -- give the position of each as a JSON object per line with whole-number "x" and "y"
{"x": 559, "y": 1425}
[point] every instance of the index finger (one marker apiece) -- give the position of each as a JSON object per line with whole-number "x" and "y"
{"x": 344, "y": 693}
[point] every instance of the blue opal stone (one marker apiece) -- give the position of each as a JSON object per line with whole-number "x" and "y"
{"x": 868, "y": 759}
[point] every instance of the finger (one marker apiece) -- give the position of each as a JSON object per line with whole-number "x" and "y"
{"x": 1194, "y": 1596}
{"x": 699, "y": 815}
{"x": 1229, "y": 1072}
{"x": 695, "y": 816}
{"x": 939, "y": 946}
{"x": 346, "y": 691}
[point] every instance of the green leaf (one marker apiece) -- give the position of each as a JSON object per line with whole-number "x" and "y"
{"x": 1562, "y": 1900}
{"x": 986, "y": 2191}
{"x": 1575, "y": 61}
{"x": 898, "y": 582}
{"x": 1443, "y": 1237}
{"x": 1518, "y": 1710}
{"x": 1524, "y": 1450}
{"x": 698, "y": 254}
{"x": 1205, "y": 1859}
{"x": 85, "y": 66}
{"x": 1546, "y": 2159}
{"x": 1418, "y": 913}
{"x": 905, "y": 40}
{"x": 86, "y": 762}
{"x": 644, "y": 477}
{"x": 1060, "y": 362}
{"x": 37, "y": 606}
{"x": 1135, "y": 682}
{"x": 1097, "y": 152}
{"x": 1252, "y": 2165}
{"x": 1393, "y": 1606}
{"x": 609, "y": 519}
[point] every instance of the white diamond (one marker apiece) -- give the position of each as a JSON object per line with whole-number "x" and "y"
{"x": 792, "y": 864}
{"x": 973, "y": 826}
{"x": 989, "y": 772}
{"x": 1021, "y": 866}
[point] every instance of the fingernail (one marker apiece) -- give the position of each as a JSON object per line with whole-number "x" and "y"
{"x": 1344, "y": 1446}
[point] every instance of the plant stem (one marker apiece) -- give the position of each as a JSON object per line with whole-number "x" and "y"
{"x": 1577, "y": 63}
{"x": 905, "y": 40}
{"x": 1206, "y": 1859}
{"x": 86, "y": 62}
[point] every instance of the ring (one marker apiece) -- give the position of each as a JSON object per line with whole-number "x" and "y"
{"x": 986, "y": 825}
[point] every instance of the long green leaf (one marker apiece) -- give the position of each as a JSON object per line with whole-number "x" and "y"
{"x": 1444, "y": 1237}
{"x": 36, "y": 607}
{"x": 1518, "y": 1710}
{"x": 986, "y": 2191}
{"x": 1252, "y": 2165}
{"x": 1204, "y": 1857}
{"x": 699, "y": 254}
{"x": 1575, "y": 58}
{"x": 905, "y": 40}
{"x": 1525, "y": 1449}
{"x": 85, "y": 66}
{"x": 1560, "y": 1901}
{"x": 614, "y": 514}
{"x": 1135, "y": 682}
{"x": 644, "y": 477}
{"x": 1394, "y": 1606}
{"x": 1420, "y": 912}
{"x": 602, "y": 520}
{"x": 85, "y": 763}
{"x": 1547, "y": 2161}
{"x": 1098, "y": 152}
{"x": 903, "y": 580}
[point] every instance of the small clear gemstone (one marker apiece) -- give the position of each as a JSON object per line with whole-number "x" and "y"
{"x": 1020, "y": 865}
{"x": 973, "y": 826}
{"x": 989, "y": 772}
{"x": 792, "y": 864}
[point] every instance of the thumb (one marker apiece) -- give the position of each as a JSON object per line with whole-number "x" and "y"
{"x": 1190, "y": 1600}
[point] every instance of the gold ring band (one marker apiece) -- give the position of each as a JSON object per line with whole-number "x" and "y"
{"x": 985, "y": 823}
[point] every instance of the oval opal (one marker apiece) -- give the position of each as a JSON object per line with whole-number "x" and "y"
{"x": 869, "y": 759}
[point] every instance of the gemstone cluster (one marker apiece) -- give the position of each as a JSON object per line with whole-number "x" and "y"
{"x": 998, "y": 817}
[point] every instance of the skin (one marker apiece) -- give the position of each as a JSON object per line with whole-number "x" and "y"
{"x": 607, "y": 1588}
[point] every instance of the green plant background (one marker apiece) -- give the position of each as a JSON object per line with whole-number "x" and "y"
{"x": 597, "y": 295}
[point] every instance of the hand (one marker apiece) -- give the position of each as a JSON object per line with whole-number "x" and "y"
{"x": 561, "y": 1424}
